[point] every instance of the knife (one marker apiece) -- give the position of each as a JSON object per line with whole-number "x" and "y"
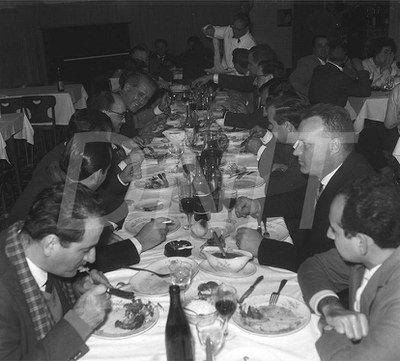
{"x": 251, "y": 289}
{"x": 120, "y": 293}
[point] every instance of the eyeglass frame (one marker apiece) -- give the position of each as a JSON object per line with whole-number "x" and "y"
{"x": 122, "y": 115}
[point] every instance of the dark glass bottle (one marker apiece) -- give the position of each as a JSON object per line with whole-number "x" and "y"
{"x": 214, "y": 180}
{"x": 202, "y": 197}
{"x": 60, "y": 82}
{"x": 179, "y": 342}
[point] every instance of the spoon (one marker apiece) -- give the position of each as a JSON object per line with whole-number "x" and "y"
{"x": 219, "y": 244}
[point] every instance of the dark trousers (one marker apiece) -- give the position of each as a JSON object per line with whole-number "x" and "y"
{"x": 372, "y": 143}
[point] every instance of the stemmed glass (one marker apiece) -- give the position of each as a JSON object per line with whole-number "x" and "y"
{"x": 176, "y": 150}
{"x": 225, "y": 300}
{"x": 211, "y": 335}
{"x": 198, "y": 143}
{"x": 229, "y": 196}
{"x": 188, "y": 164}
{"x": 181, "y": 275}
{"x": 186, "y": 199}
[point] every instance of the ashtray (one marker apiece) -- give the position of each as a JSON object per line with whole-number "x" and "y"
{"x": 178, "y": 248}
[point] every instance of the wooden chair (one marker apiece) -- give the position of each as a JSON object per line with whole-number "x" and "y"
{"x": 40, "y": 110}
{"x": 10, "y": 105}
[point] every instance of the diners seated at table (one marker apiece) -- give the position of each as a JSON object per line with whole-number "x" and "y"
{"x": 382, "y": 64}
{"x": 162, "y": 56}
{"x": 302, "y": 74}
{"x": 43, "y": 315}
{"x": 276, "y": 162}
{"x": 377, "y": 143}
{"x": 330, "y": 84}
{"x": 365, "y": 227}
{"x": 325, "y": 152}
{"x": 84, "y": 120}
{"x": 235, "y": 36}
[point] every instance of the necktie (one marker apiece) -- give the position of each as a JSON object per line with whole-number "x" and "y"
{"x": 238, "y": 40}
{"x": 49, "y": 284}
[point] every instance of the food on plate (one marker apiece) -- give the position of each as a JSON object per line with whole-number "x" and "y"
{"x": 135, "y": 316}
{"x": 174, "y": 116}
{"x": 205, "y": 289}
{"x": 270, "y": 318}
{"x": 231, "y": 168}
{"x": 156, "y": 182}
{"x": 200, "y": 228}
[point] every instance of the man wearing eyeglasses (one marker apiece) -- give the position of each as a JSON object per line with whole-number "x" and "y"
{"x": 325, "y": 152}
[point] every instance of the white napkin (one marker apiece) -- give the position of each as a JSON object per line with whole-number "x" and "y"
{"x": 396, "y": 151}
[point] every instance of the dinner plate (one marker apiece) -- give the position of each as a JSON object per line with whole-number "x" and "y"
{"x": 148, "y": 284}
{"x": 277, "y": 231}
{"x": 222, "y": 228}
{"x": 247, "y": 271}
{"x": 245, "y": 182}
{"x": 134, "y": 225}
{"x": 152, "y": 204}
{"x": 110, "y": 331}
{"x": 291, "y": 316}
{"x": 142, "y": 183}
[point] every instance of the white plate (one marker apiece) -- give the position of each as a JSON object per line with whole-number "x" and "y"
{"x": 246, "y": 181}
{"x": 108, "y": 329}
{"x": 222, "y": 228}
{"x": 147, "y": 284}
{"x": 269, "y": 326}
{"x": 134, "y": 225}
{"x": 247, "y": 271}
{"x": 276, "y": 231}
{"x": 140, "y": 183}
{"x": 152, "y": 204}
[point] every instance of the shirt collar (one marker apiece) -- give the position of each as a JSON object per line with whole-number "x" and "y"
{"x": 38, "y": 274}
{"x": 328, "y": 177}
{"x": 323, "y": 62}
{"x": 337, "y": 66}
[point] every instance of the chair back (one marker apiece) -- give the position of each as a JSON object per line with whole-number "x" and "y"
{"x": 40, "y": 109}
{"x": 10, "y": 105}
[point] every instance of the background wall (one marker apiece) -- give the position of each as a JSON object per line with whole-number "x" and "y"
{"x": 21, "y": 46}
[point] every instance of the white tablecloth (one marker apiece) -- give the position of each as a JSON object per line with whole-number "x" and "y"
{"x": 74, "y": 97}
{"x": 373, "y": 108}
{"x": 14, "y": 125}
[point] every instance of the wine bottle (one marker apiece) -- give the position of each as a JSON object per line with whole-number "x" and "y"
{"x": 179, "y": 342}
{"x": 214, "y": 179}
{"x": 202, "y": 196}
{"x": 60, "y": 82}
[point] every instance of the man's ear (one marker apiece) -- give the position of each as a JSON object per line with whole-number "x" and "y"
{"x": 50, "y": 244}
{"x": 335, "y": 145}
{"x": 362, "y": 243}
{"x": 289, "y": 127}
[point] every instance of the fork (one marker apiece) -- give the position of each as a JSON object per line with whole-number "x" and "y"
{"x": 161, "y": 275}
{"x": 266, "y": 233}
{"x": 275, "y": 295}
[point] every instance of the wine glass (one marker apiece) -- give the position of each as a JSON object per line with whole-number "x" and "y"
{"x": 188, "y": 164}
{"x": 198, "y": 143}
{"x": 211, "y": 335}
{"x": 229, "y": 196}
{"x": 181, "y": 275}
{"x": 225, "y": 300}
{"x": 176, "y": 150}
{"x": 186, "y": 199}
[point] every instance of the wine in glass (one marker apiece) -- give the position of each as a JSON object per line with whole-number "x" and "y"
{"x": 225, "y": 300}
{"x": 176, "y": 150}
{"x": 229, "y": 196}
{"x": 186, "y": 199}
{"x": 211, "y": 335}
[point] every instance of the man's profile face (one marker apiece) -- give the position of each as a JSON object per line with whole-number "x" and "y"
{"x": 346, "y": 246}
{"x": 279, "y": 130}
{"x": 161, "y": 49}
{"x": 312, "y": 146}
{"x": 66, "y": 261}
{"x": 239, "y": 29}
{"x": 321, "y": 48}
{"x": 136, "y": 97}
{"x": 141, "y": 55}
{"x": 117, "y": 113}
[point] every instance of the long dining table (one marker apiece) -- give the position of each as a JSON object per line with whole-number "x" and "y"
{"x": 240, "y": 345}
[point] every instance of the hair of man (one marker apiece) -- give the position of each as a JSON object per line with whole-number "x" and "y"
{"x": 88, "y": 120}
{"x": 336, "y": 121}
{"x": 288, "y": 109}
{"x": 161, "y": 41}
{"x": 241, "y": 56}
{"x": 134, "y": 77}
{"x": 262, "y": 52}
{"x": 372, "y": 207}
{"x": 277, "y": 87}
{"x": 243, "y": 18}
{"x": 45, "y": 213}
{"x": 316, "y": 37}
{"x": 274, "y": 67}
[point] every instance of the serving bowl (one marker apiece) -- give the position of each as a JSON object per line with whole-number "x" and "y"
{"x": 234, "y": 261}
{"x": 197, "y": 309}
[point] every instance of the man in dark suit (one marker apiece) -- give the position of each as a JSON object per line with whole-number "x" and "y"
{"x": 325, "y": 152}
{"x": 42, "y": 316}
{"x": 365, "y": 226}
{"x": 331, "y": 84}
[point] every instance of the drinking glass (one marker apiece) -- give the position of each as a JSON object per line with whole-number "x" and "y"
{"x": 188, "y": 164}
{"x": 198, "y": 143}
{"x": 211, "y": 335}
{"x": 181, "y": 275}
{"x": 225, "y": 300}
{"x": 176, "y": 150}
{"x": 229, "y": 196}
{"x": 186, "y": 200}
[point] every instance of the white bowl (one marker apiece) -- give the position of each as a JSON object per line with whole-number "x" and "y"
{"x": 228, "y": 265}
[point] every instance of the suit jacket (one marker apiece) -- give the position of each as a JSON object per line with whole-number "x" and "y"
{"x": 331, "y": 85}
{"x": 380, "y": 302}
{"x": 278, "y": 182}
{"x": 307, "y": 242}
{"x": 17, "y": 333}
{"x": 301, "y": 76}
{"x": 246, "y": 121}
{"x": 159, "y": 70}
{"x": 242, "y": 83}
{"x": 136, "y": 121}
